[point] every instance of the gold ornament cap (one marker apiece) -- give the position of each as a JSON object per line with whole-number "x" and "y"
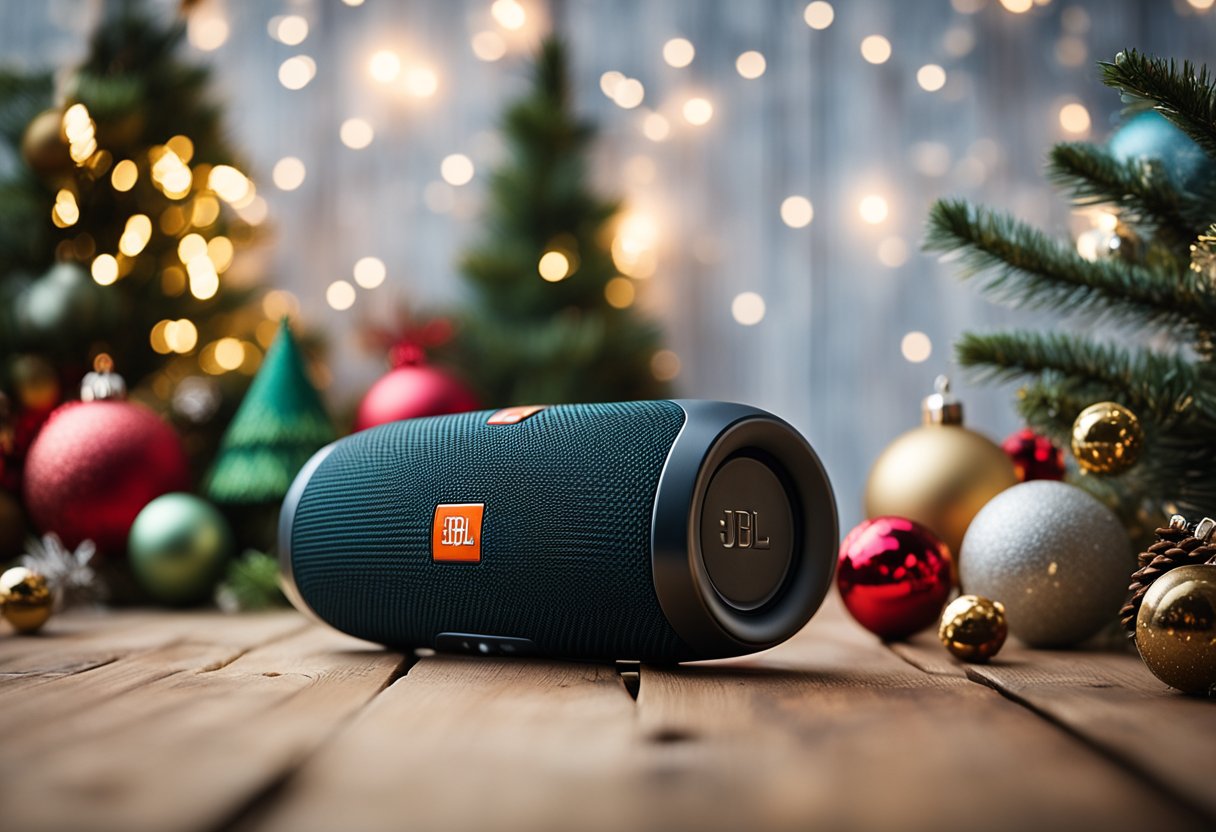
{"x": 103, "y": 383}
{"x": 942, "y": 408}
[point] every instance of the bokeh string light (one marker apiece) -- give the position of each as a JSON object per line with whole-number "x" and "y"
{"x": 509, "y": 14}
{"x": 796, "y": 211}
{"x": 679, "y": 52}
{"x": 457, "y": 169}
{"x": 747, "y": 308}
{"x": 819, "y": 15}
{"x": 356, "y": 133}
{"x": 751, "y": 65}
{"x": 635, "y": 243}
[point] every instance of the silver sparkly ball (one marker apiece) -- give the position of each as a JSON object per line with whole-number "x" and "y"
{"x": 1057, "y": 558}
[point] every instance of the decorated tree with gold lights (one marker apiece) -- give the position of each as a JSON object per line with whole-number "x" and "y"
{"x": 551, "y": 319}
{"x": 121, "y": 212}
{"x": 1150, "y": 266}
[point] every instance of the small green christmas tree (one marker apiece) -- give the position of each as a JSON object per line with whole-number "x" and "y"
{"x": 1160, "y": 284}
{"x": 527, "y": 338}
{"x": 280, "y": 424}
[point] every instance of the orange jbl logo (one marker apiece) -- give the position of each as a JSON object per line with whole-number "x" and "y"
{"x": 456, "y": 532}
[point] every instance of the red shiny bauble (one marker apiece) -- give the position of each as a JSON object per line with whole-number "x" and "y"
{"x": 411, "y": 391}
{"x": 93, "y": 467}
{"x": 1034, "y": 457}
{"x": 894, "y": 576}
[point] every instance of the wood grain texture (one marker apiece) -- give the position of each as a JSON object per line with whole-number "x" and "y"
{"x": 202, "y": 721}
{"x": 832, "y": 730}
{"x": 466, "y": 743}
{"x": 183, "y": 737}
{"x": 835, "y": 731}
{"x": 125, "y": 655}
{"x": 1113, "y": 702}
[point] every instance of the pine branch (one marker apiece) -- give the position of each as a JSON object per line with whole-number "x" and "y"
{"x": 1186, "y": 96}
{"x": 1143, "y": 193}
{"x": 1163, "y": 384}
{"x": 1035, "y": 271}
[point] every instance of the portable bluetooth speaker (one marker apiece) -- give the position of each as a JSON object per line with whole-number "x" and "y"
{"x": 662, "y": 531}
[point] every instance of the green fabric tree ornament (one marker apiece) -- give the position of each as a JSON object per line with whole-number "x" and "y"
{"x": 280, "y": 424}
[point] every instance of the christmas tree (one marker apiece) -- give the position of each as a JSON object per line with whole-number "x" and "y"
{"x": 121, "y": 209}
{"x": 549, "y": 318}
{"x": 1153, "y": 275}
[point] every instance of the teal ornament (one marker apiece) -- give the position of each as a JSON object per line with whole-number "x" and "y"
{"x": 179, "y": 547}
{"x": 64, "y": 306}
{"x": 1150, "y": 135}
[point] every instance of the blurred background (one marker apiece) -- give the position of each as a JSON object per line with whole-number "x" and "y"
{"x": 774, "y": 160}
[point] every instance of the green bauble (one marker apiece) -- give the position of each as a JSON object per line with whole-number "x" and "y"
{"x": 64, "y": 305}
{"x": 179, "y": 546}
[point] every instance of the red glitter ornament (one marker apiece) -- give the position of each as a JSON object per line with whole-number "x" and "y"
{"x": 1034, "y": 457}
{"x": 93, "y": 467}
{"x": 894, "y": 576}
{"x": 411, "y": 390}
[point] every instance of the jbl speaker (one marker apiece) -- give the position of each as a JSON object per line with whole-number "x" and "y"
{"x": 661, "y": 531}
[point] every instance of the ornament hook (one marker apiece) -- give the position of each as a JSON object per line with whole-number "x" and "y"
{"x": 1204, "y": 530}
{"x": 942, "y": 408}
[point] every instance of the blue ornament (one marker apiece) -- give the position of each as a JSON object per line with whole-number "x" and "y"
{"x": 1151, "y": 135}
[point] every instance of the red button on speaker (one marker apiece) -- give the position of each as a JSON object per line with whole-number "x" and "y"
{"x": 514, "y": 415}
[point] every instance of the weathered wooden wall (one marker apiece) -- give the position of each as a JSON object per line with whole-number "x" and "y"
{"x": 821, "y": 122}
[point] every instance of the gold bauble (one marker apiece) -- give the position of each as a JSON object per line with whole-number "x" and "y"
{"x": 26, "y": 599}
{"x": 973, "y": 628}
{"x": 1107, "y": 438}
{"x": 44, "y": 146}
{"x": 940, "y": 474}
{"x": 1176, "y": 628}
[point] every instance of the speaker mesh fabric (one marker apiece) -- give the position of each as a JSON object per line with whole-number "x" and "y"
{"x": 565, "y": 540}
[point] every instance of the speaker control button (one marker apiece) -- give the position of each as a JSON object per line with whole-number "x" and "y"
{"x": 514, "y": 415}
{"x": 484, "y": 645}
{"x": 747, "y": 532}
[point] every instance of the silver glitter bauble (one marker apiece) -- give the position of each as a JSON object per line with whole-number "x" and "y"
{"x": 1056, "y": 557}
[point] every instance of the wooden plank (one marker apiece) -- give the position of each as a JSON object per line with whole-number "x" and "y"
{"x": 1112, "y": 701}
{"x": 829, "y": 730}
{"x": 466, "y": 743}
{"x": 189, "y": 750}
{"x": 55, "y": 688}
{"x": 834, "y": 729}
{"x": 78, "y": 639}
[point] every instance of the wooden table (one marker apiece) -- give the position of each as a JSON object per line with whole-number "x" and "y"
{"x": 143, "y": 720}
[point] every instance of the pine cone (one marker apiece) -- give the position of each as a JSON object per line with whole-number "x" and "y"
{"x": 1174, "y": 548}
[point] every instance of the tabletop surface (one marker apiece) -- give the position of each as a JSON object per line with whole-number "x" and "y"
{"x": 152, "y": 720}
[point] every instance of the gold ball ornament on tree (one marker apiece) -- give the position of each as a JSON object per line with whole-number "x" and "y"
{"x": 44, "y": 145}
{"x": 973, "y": 628}
{"x": 26, "y": 599}
{"x": 939, "y": 474}
{"x": 1176, "y": 627}
{"x": 1107, "y": 438}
